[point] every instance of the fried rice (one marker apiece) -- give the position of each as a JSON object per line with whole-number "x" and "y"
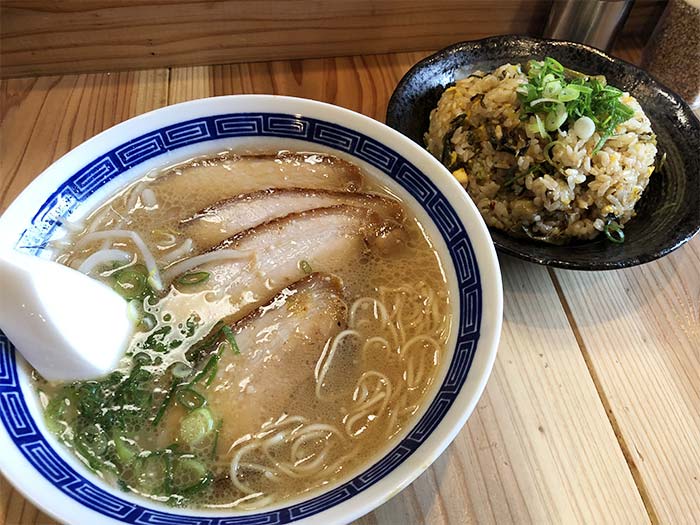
{"x": 554, "y": 190}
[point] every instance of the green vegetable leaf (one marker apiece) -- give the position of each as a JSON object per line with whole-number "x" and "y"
{"x": 555, "y": 95}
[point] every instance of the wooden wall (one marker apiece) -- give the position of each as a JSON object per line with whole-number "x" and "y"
{"x": 58, "y": 36}
{"x": 39, "y": 37}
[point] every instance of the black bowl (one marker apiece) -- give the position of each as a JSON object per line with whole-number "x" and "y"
{"x": 668, "y": 213}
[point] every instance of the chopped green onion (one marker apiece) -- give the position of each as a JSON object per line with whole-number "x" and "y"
{"x": 193, "y": 278}
{"x": 556, "y": 118}
{"x": 543, "y": 100}
{"x": 216, "y": 438}
{"x": 196, "y": 349}
{"x": 61, "y": 411}
{"x": 212, "y": 375}
{"x": 305, "y": 267}
{"x": 190, "y": 398}
{"x": 536, "y": 125}
{"x": 151, "y": 472}
{"x": 555, "y": 93}
{"x": 134, "y": 311}
{"x": 209, "y": 369}
{"x": 568, "y": 94}
{"x": 91, "y": 443}
{"x": 584, "y": 127}
{"x": 582, "y": 90}
{"x": 189, "y": 475}
{"x": 166, "y": 401}
{"x": 126, "y": 449}
{"x": 228, "y": 333}
{"x": 148, "y": 322}
{"x": 600, "y": 144}
{"x": 157, "y": 340}
{"x": 196, "y": 426}
{"x": 553, "y": 64}
{"x": 551, "y": 89}
{"x": 613, "y": 231}
{"x": 181, "y": 370}
{"x": 142, "y": 359}
{"x": 129, "y": 283}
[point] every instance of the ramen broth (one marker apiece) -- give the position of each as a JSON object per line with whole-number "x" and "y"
{"x": 245, "y": 397}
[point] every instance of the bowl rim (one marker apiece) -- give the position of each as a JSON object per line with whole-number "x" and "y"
{"x": 546, "y": 260}
{"x": 27, "y": 479}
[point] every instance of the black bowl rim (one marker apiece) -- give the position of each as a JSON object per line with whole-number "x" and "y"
{"x": 543, "y": 260}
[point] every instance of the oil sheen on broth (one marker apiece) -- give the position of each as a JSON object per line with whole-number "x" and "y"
{"x": 292, "y": 314}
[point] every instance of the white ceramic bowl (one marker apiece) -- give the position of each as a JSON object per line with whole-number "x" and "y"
{"x": 51, "y": 477}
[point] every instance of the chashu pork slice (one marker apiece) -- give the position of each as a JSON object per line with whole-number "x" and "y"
{"x": 284, "y": 250}
{"x": 231, "y": 216}
{"x": 206, "y": 180}
{"x": 279, "y": 346}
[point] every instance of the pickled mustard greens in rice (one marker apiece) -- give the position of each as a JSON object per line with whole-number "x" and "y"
{"x": 549, "y": 152}
{"x": 292, "y": 316}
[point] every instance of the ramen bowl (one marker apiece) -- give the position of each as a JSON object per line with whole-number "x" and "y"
{"x": 52, "y": 477}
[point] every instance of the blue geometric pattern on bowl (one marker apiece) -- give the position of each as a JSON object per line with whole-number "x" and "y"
{"x": 13, "y": 408}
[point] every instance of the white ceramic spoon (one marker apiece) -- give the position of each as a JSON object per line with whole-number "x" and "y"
{"x": 67, "y": 325}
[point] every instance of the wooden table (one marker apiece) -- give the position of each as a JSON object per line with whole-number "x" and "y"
{"x": 592, "y": 413}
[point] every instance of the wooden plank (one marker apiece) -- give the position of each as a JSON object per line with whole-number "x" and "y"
{"x": 362, "y": 84}
{"x": 44, "y": 118}
{"x": 640, "y": 329}
{"x": 41, "y": 37}
{"x": 15, "y": 510}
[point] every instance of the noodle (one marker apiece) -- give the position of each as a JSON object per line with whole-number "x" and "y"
{"x": 364, "y": 407}
{"x": 326, "y": 359}
{"x": 278, "y": 451}
{"x": 275, "y": 390}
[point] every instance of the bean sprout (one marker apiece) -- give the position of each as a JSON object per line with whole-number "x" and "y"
{"x": 101, "y": 257}
{"x": 176, "y": 269}
{"x": 178, "y": 253}
{"x": 154, "y": 278}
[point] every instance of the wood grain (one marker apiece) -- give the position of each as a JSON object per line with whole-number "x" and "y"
{"x": 362, "y": 84}
{"x": 44, "y": 118}
{"x": 49, "y": 37}
{"x": 640, "y": 331}
{"x": 41, "y": 37}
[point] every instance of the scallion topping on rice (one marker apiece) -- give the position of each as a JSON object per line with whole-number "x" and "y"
{"x": 546, "y": 152}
